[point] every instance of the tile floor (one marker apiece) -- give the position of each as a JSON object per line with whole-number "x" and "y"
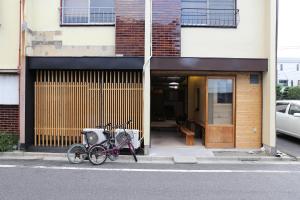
{"x": 169, "y": 142}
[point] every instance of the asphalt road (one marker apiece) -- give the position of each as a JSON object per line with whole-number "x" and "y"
{"x": 289, "y": 145}
{"x": 39, "y": 180}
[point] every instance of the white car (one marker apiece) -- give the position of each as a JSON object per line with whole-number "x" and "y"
{"x": 288, "y": 117}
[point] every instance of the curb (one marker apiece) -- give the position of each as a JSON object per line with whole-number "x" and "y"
{"x": 20, "y": 155}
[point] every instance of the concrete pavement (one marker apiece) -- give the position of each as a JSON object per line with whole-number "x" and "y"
{"x": 289, "y": 145}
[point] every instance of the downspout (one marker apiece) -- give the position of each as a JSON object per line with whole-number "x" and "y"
{"x": 147, "y": 75}
{"x": 20, "y": 34}
{"x": 21, "y": 69}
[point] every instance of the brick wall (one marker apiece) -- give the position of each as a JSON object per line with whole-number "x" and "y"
{"x": 130, "y": 27}
{"x": 166, "y": 27}
{"x": 9, "y": 119}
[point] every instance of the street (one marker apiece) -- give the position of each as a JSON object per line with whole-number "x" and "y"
{"x": 289, "y": 145}
{"x": 37, "y": 179}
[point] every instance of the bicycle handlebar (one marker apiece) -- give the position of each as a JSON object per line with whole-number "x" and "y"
{"x": 109, "y": 124}
{"x": 122, "y": 125}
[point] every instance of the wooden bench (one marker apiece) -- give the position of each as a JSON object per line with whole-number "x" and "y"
{"x": 189, "y": 136}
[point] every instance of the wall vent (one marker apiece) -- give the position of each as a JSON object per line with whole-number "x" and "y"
{"x": 254, "y": 78}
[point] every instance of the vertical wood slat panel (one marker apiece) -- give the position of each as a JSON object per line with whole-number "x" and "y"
{"x": 68, "y": 101}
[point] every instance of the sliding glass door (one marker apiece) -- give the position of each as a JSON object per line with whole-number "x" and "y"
{"x": 220, "y": 112}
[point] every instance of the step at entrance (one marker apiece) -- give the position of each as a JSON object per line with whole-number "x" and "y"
{"x": 185, "y": 160}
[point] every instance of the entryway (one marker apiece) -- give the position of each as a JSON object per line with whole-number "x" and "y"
{"x": 189, "y": 113}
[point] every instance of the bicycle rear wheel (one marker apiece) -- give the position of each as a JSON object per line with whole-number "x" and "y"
{"x": 76, "y": 153}
{"x": 97, "y": 155}
{"x": 132, "y": 151}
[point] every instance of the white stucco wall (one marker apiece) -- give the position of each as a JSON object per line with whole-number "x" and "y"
{"x": 269, "y": 79}
{"x": 43, "y": 18}
{"x": 9, "y": 34}
{"x": 248, "y": 40}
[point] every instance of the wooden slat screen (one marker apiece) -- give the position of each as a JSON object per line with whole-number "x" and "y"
{"x": 68, "y": 101}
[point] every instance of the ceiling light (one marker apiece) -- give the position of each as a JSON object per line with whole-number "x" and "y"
{"x": 173, "y": 83}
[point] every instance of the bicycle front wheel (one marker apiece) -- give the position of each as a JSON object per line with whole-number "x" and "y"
{"x": 97, "y": 155}
{"x": 76, "y": 153}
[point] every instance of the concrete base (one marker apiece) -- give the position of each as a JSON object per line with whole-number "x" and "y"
{"x": 185, "y": 160}
{"x": 146, "y": 150}
{"x": 22, "y": 147}
{"x": 270, "y": 150}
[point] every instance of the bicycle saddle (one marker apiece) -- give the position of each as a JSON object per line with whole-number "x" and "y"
{"x": 106, "y": 134}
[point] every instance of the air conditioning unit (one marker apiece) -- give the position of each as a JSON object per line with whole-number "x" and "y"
{"x": 98, "y": 131}
{"x": 133, "y": 132}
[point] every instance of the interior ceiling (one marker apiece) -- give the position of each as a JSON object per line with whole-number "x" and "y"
{"x": 166, "y": 80}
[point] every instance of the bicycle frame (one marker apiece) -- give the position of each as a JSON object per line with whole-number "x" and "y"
{"x": 111, "y": 151}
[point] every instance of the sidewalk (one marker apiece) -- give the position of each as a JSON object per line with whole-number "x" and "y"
{"x": 204, "y": 156}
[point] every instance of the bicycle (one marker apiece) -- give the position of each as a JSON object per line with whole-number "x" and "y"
{"x": 77, "y": 153}
{"x": 98, "y": 153}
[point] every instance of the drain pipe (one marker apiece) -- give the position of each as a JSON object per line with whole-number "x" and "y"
{"x": 21, "y": 69}
{"x": 146, "y": 75}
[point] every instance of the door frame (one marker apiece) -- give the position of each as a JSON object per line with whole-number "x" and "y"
{"x": 233, "y": 125}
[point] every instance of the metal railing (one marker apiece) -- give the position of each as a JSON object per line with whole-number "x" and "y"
{"x": 87, "y": 16}
{"x": 209, "y": 17}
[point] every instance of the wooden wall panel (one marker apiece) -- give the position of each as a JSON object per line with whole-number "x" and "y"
{"x": 68, "y": 101}
{"x": 248, "y": 112}
{"x": 219, "y": 136}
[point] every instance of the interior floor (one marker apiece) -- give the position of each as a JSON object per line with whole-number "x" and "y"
{"x": 169, "y": 142}
{"x": 171, "y": 138}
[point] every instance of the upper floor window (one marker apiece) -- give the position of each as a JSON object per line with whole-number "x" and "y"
{"x": 297, "y": 67}
{"x": 88, "y": 12}
{"x": 281, "y": 67}
{"x": 209, "y": 13}
{"x": 283, "y": 82}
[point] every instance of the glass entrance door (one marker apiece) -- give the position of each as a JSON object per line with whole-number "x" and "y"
{"x": 220, "y": 112}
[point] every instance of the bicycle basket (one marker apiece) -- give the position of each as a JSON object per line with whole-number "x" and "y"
{"x": 91, "y": 137}
{"x": 123, "y": 138}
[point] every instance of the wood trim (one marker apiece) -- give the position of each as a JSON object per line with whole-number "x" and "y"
{"x": 85, "y": 63}
{"x": 208, "y": 64}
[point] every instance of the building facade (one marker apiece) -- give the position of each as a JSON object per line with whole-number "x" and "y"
{"x": 208, "y": 63}
{"x": 288, "y": 72}
{"x": 9, "y": 66}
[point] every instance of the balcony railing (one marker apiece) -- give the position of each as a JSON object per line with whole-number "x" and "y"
{"x": 209, "y": 17}
{"x": 88, "y": 16}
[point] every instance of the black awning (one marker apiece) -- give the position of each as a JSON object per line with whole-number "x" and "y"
{"x": 208, "y": 64}
{"x": 86, "y": 63}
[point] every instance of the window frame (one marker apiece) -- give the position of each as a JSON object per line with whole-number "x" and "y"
{"x": 285, "y": 83}
{"x": 211, "y": 26}
{"x": 62, "y": 24}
